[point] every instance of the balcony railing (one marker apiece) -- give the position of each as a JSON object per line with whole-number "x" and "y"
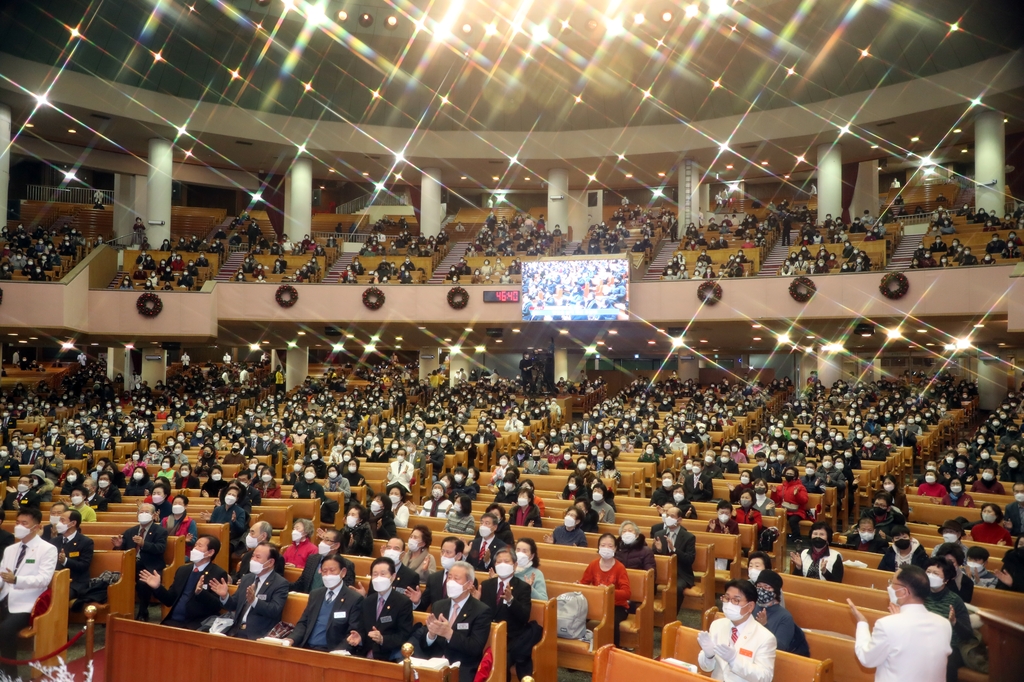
{"x": 70, "y": 195}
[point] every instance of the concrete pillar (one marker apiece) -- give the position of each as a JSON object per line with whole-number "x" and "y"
{"x": 689, "y": 193}
{"x": 990, "y": 162}
{"x": 296, "y": 367}
{"x": 129, "y": 202}
{"x": 5, "y": 157}
{"x": 992, "y": 380}
{"x": 704, "y": 197}
{"x": 830, "y": 180}
{"x": 115, "y": 362}
{"x": 458, "y": 361}
{"x": 561, "y": 364}
{"x": 558, "y": 209}
{"x": 807, "y": 365}
{"x": 688, "y": 368}
{"x": 430, "y": 202}
{"x": 865, "y": 192}
{"x": 830, "y": 368}
{"x": 154, "y": 366}
{"x": 298, "y": 199}
{"x": 158, "y": 191}
{"x": 430, "y": 360}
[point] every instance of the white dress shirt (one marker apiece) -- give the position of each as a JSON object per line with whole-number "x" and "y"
{"x": 755, "y": 652}
{"x": 910, "y": 645}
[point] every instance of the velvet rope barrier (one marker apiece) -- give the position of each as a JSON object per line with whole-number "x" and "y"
{"x": 61, "y": 650}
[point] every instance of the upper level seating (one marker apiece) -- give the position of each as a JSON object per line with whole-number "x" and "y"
{"x": 928, "y": 196}
{"x": 323, "y": 225}
{"x": 188, "y": 221}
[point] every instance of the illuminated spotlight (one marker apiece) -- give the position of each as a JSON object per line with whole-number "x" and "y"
{"x": 915, "y": 139}
{"x": 513, "y": 160}
{"x": 592, "y": 25}
{"x": 963, "y": 151}
{"x": 257, "y": 196}
{"x": 72, "y": 131}
{"x": 666, "y": 16}
{"x": 874, "y": 146}
{"x": 129, "y": 346}
{"x": 954, "y": 27}
{"x": 539, "y": 33}
{"x": 976, "y": 102}
{"x": 182, "y": 131}
{"x": 692, "y": 10}
{"x": 158, "y": 56}
{"x": 29, "y": 125}
{"x": 592, "y": 350}
{"x": 337, "y": 347}
{"x": 801, "y": 159}
{"x": 764, "y": 163}
{"x": 67, "y": 345}
{"x": 444, "y": 100}
{"x": 235, "y": 75}
{"x": 948, "y": 346}
{"x": 980, "y": 325}
{"x": 467, "y": 28}
{"x": 661, "y": 174}
{"x": 843, "y": 130}
{"x": 316, "y": 15}
{"x": 717, "y": 6}
{"x": 254, "y": 346}
{"x": 307, "y": 86}
{"x": 579, "y": 100}
{"x": 614, "y": 27}
{"x": 481, "y": 349}
{"x": 527, "y": 179}
{"x": 677, "y": 341}
{"x": 629, "y": 175}
{"x": 956, "y": 131}
{"x": 894, "y": 334}
{"x": 364, "y": 174}
{"x": 790, "y": 71}
{"x": 833, "y": 348}
{"x": 783, "y": 338}
{"x": 657, "y": 191}
{"x": 69, "y": 176}
{"x": 379, "y": 187}
{"x": 366, "y": 20}
{"x": 375, "y": 94}
{"x": 75, "y": 33}
{"x": 302, "y": 149}
{"x": 399, "y": 157}
{"x": 370, "y": 348}
{"x": 188, "y": 152}
{"x": 289, "y": 5}
{"x": 723, "y": 147}
{"x": 592, "y": 178}
{"x": 455, "y": 350}
{"x": 565, "y": 24}
{"x": 865, "y": 53}
{"x": 462, "y": 177}
{"x": 716, "y": 84}
{"x": 490, "y": 29}
{"x": 786, "y": 176}
{"x": 342, "y": 15}
{"x": 391, "y": 21}
{"x": 651, "y": 343}
{"x": 638, "y": 18}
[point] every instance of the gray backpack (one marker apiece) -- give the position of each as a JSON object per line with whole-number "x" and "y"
{"x": 572, "y": 615}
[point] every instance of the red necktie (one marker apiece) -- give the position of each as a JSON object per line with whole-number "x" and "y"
{"x": 501, "y": 590}
{"x": 735, "y": 635}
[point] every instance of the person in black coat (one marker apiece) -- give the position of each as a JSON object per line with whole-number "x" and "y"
{"x": 387, "y": 617}
{"x": 671, "y": 538}
{"x": 404, "y": 576}
{"x": 513, "y": 608}
{"x": 459, "y": 626}
{"x": 74, "y": 551}
{"x": 865, "y": 538}
{"x": 357, "y": 536}
{"x": 452, "y": 549}
{"x": 697, "y": 485}
{"x": 902, "y": 541}
{"x": 150, "y": 539}
{"x": 190, "y": 598}
{"x": 330, "y": 545}
{"x": 481, "y": 552}
{"x": 327, "y": 623}
{"x": 259, "y": 601}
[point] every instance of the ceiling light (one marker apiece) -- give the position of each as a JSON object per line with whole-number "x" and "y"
{"x": 302, "y": 149}
{"x": 638, "y": 18}
{"x": 350, "y": 336}
{"x": 337, "y": 347}
{"x": 764, "y": 163}
{"x": 613, "y": 27}
{"x": 578, "y": 99}
{"x": 364, "y": 173}
{"x": 650, "y": 343}
{"x": 692, "y": 10}
{"x": 469, "y": 329}
{"x": 592, "y": 178}
{"x": 865, "y": 53}
{"x": 467, "y": 28}
{"x": 398, "y": 338}
{"x": 957, "y": 131}
{"x": 801, "y": 159}
{"x": 757, "y": 338}
{"x": 832, "y": 348}
{"x": 716, "y": 84}
{"x": 954, "y": 27}
{"x": 293, "y": 344}
{"x": 728, "y": 166}
{"x": 979, "y": 325}
{"x": 490, "y": 29}
{"x": 677, "y": 342}
{"x": 922, "y": 331}
{"x": 301, "y": 333}
{"x": 783, "y": 338}
{"x": 254, "y": 346}
{"x": 515, "y": 330}
{"x": 666, "y": 16}
{"x": 392, "y": 21}
{"x": 462, "y": 177}
{"x": 874, "y": 146}
{"x": 539, "y": 33}
{"x": 29, "y": 125}
{"x": 717, "y": 6}
{"x": 527, "y": 179}
{"x": 755, "y": 326}
{"x": 342, "y": 15}
{"x": 790, "y": 71}
{"x": 613, "y": 331}
{"x": 976, "y": 102}
{"x": 843, "y": 130}
{"x": 455, "y": 349}
{"x": 375, "y": 94}
{"x": 963, "y": 151}
{"x": 481, "y": 349}
{"x": 256, "y": 196}
{"x": 723, "y": 147}
{"x": 647, "y": 93}
{"x": 629, "y": 175}
{"x": 661, "y": 174}
{"x": 72, "y": 131}
{"x": 158, "y": 56}
{"x": 495, "y": 178}
{"x": 366, "y": 20}
{"x": 498, "y": 341}
{"x": 307, "y": 86}
{"x": 444, "y": 100}
{"x": 67, "y": 345}
{"x": 915, "y": 139}
{"x": 786, "y": 176}
{"x": 894, "y": 334}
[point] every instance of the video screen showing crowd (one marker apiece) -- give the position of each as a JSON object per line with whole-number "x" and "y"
{"x": 579, "y": 289}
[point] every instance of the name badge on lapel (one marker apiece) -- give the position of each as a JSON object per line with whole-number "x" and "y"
{"x": 340, "y": 614}
{"x": 462, "y": 626}
{"x": 30, "y": 561}
{"x": 385, "y": 619}
{"x": 262, "y": 597}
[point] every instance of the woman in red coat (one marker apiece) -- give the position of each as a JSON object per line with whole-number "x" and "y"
{"x": 791, "y": 495}
{"x": 746, "y": 512}
{"x": 991, "y": 529}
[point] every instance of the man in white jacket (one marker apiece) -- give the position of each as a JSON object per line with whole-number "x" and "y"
{"x": 25, "y": 571}
{"x": 737, "y": 648}
{"x": 911, "y": 644}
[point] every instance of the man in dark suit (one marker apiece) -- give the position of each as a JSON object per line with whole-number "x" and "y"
{"x": 259, "y": 601}
{"x": 1013, "y": 518}
{"x": 458, "y": 627}
{"x": 509, "y": 599}
{"x": 405, "y": 576}
{"x": 671, "y": 538}
{"x": 481, "y": 552}
{"x": 74, "y": 551}
{"x": 330, "y": 544}
{"x": 451, "y": 551}
{"x": 333, "y": 612}
{"x": 697, "y": 484}
{"x": 190, "y": 598}
{"x": 149, "y": 540}
{"x": 387, "y": 617}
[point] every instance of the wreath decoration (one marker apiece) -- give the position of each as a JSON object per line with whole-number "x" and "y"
{"x": 802, "y": 289}
{"x": 286, "y": 296}
{"x": 895, "y": 285}
{"x": 458, "y": 298}
{"x": 149, "y": 304}
{"x": 709, "y": 292}
{"x": 373, "y": 298}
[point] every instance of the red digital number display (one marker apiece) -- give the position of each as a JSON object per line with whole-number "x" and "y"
{"x": 510, "y": 296}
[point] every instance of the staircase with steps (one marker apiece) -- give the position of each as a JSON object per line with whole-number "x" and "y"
{"x": 904, "y": 253}
{"x": 339, "y": 267}
{"x": 224, "y": 224}
{"x": 230, "y": 266}
{"x": 778, "y": 255}
{"x": 569, "y": 247}
{"x": 660, "y": 260}
{"x": 457, "y": 250}
{"x": 116, "y": 282}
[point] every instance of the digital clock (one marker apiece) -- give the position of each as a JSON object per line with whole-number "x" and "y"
{"x": 511, "y": 296}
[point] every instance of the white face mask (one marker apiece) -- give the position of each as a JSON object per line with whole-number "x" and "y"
{"x": 351, "y": 521}
{"x": 752, "y": 574}
{"x": 144, "y": 518}
{"x": 393, "y": 554}
{"x": 230, "y": 500}
{"x": 724, "y": 518}
{"x": 485, "y": 532}
{"x": 950, "y": 538}
{"x": 296, "y": 536}
{"x": 157, "y": 498}
{"x": 504, "y": 570}
{"x": 569, "y": 522}
{"x": 628, "y": 538}
{"x": 447, "y": 562}
{"x": 255, "y": 567}
{"x": 251, "y": 542}
{"x": 606, "y": 552}
{"x": 732, "y": 611}
{"x": 935, "y": 581}
{"x": 454, "y": 589}
{"x": 178, "y": 509}
{"x": 331, "y": 580}
{"x": 375, "y": 507}
{"x": 77, "y": 500}
{"x": 197, "y": 555}
{"x": 598, "y": 496}
{"x": 62, "y": 528}
{"x": 215, "y": 476}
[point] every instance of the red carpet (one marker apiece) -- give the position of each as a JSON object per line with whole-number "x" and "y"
{"x": 77, "y": 668}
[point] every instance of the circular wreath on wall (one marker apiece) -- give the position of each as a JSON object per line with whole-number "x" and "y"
{"x": 709, "y": 292}
{"x": 894, "y": 285}
{"x": 149, "y": 305}
{"x": 802, "y": 289}
{"x": 458, "y": 298}
{"x": 286, "y": 296}
{"x": 373, "y": 298}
